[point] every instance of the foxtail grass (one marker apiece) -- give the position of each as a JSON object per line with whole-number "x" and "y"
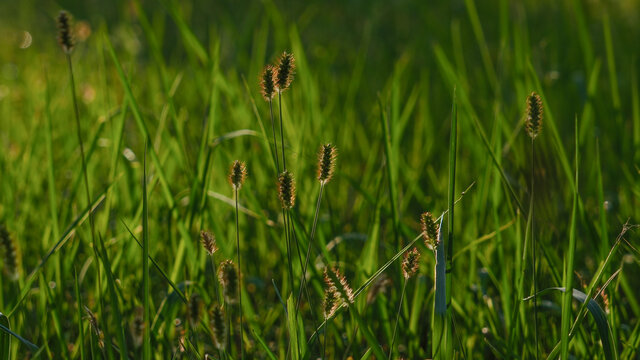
{"x": 533, "y": 124}
{"x": 237, "y": 176}
{"x": 326, "y": 167}
{"x": 410, "y": 264}
{"x": 283, "y": 76}
{"x": 268, "y": 90}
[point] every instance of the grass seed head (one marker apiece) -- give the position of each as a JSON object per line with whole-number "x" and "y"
{"x": 267, "y": 83}
{"x": 429, "y": 230}
{"x": 237, "y": 174}
{"x": 326, "y": 162}
{"x": 533, "y": 120}
{"x": 331, "y": 302}
{"x": 228, "y": 276}
{"x": 219, "y": 328}
{"x": 342, "y": 289}
{"x": 410, "y": 263}
{"x": 208, "y": 241}
{"x": 93, "y": 322}
{"x": 287, "y": 190}
{"x": 65, "y": 35}
{"x": 284, "y": 71}
{"x": 10, "y": 255}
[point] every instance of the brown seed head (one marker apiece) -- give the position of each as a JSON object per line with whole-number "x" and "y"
{"x": 65, "y": 36}
{"x": 410, "y": 263}
{"x": 237, "y": 174}
{"x": 429, "y": 230}
{"x": 331, "y": 302}
{"x": 219, "y": 328}
{"x": 267, "y": 83}
{"x": 343, "y": 289}
{"x": 326, "y": 162}
{"x": 228, "y": 276}
{"x": 137, "y": 326}
{"x": 208, "y": 241}
{"x": 287, "y": 190}
{"x": 284, "y": 71}
{"x": 533, "y": 121}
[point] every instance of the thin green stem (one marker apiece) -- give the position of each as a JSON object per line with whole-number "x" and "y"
{"x": 533, "y": 252}
{"x": 311, "y": 237}
{"x": 395, "y": 328}
{"x": 284, "y": 161}
{"x": 239, "y": 276}
{"x": 273, "y": 131}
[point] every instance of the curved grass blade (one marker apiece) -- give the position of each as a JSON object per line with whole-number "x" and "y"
{"x": 5, "y": 338}
{"x": 600, "y": 318}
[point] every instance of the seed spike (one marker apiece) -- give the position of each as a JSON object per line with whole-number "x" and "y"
{"x": 410, "y": 263}
{"x": 267, "y": 83}
{"x": 228, "y": 276}
{"x": 287, "y": 190}
{"x": 533, "y": 120}
{"x": 208, "y": 240}
{"x": 429, "y": 230}
{"x": 284, "y": 71}
{"x": 65, "y": 35}
{"x": 219, "y": 327}
{"x": 237, "y": 174}
{"x": 326, "y": 162}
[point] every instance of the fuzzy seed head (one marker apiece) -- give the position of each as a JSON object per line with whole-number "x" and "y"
{"x": 219, "y": 328}
{"x": 429, "y": 230}
{"x": 208, "y": 242}
{"x": 342, "y": 289}
{"x": 267, "y": 83}
{"x": 65, "y": 36}
{"x": 326, "y": 162}
{"x": 331, "y": 303}
{"x": 533, "y": 120}
{"x": 410, "y": 263}
{"x": 10, "y": 255}
{"x": 237, "y": 174}
{"x": 284, "y": 71}
{"x": 287, "y": 190}
{"x": 228, "y": 276}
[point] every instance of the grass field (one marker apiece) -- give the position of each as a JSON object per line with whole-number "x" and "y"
{"x": 108, "y": 178}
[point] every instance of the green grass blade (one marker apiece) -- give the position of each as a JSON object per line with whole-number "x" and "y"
{"x": 599, "y": 316}
{"x": 113, "y": 296}
{"x": 569, "y": 263}
{"x": 292, "y": 325}
{"x": 5, "y": 339}
{"x": 391, "y": 168}
{"x": 79, "y": 305}
{"x": 264, "y": 345}
{"x": 453, "y": 146}
{"x": 146, "y": 337}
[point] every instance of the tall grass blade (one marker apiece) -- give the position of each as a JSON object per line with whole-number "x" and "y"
{"x": 569, "y": 263}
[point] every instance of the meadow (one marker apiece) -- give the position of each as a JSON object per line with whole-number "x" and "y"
{"x": 320, "y": 180}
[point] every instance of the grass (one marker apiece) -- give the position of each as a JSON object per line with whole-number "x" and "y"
{"x": 107, "y": 265}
